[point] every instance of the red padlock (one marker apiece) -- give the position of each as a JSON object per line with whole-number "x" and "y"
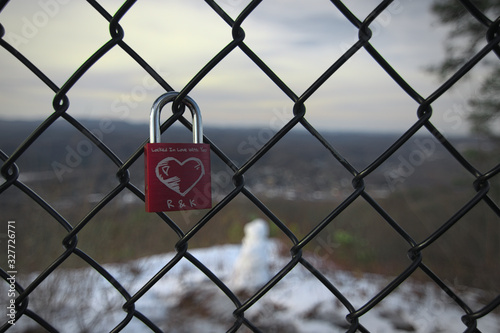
{"x": 177, "y": 174}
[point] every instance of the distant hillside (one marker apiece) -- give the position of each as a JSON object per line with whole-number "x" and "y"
{"x": 300, "y": 181}
{"x": 298, "y": 161}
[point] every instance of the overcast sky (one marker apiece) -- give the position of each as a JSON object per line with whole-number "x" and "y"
{"x": 299, "y": 40}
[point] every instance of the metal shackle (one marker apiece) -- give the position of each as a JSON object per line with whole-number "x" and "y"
{"x": 154, "y": 120}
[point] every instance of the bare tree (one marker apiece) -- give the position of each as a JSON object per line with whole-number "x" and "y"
{"x": 471, "y": 23}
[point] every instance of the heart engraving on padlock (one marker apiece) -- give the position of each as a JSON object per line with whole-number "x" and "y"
{"x": 177, "y": 175}
{"x": 175, "y": 171}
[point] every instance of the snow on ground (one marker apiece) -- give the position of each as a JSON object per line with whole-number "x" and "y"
{"x": 185, "y": 300}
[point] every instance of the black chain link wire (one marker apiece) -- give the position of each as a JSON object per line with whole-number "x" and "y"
{"x": 10, "y": 171}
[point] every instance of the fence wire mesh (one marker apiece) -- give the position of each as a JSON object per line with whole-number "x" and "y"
{"x": 128, "y": 179}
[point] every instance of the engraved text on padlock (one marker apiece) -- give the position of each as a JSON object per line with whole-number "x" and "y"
{"x": 177, "y": 174}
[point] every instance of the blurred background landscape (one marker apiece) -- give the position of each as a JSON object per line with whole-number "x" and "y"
{"x": 435, "y": 58}
{"x": 421, "y": 187}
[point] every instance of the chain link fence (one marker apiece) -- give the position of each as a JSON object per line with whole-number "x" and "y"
{"x": 128, "y": 180}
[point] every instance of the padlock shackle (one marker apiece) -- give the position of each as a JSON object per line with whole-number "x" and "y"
{"x": 154, "y": 120}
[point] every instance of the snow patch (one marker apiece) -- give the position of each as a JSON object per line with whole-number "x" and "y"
{"x": 185, "y": 300}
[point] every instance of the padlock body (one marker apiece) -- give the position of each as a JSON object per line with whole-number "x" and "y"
{"x": 177, "y": 176}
